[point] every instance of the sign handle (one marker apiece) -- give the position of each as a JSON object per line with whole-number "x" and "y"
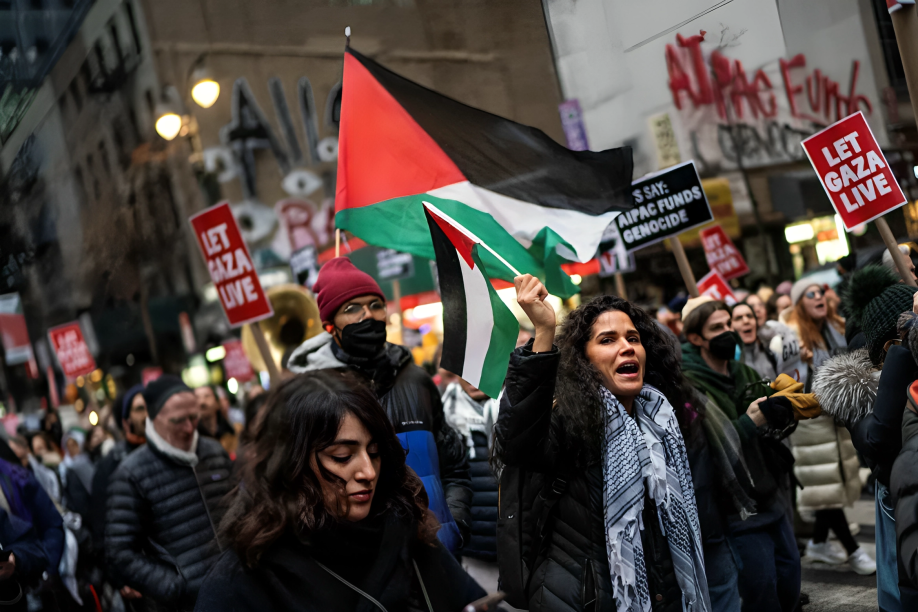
{"x": 897, "y": 255}
{"x": 684, "y": 268}
{"x": 620, "y": 286}
{"x": 262, "y": 342}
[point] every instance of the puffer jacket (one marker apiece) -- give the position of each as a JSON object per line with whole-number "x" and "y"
{"x": 571, "y": 573}
{"x": 826, "y": 465}
{"x": 412, "y": 402}
{"x": 904, "y": 489}
{"x": 475, "y": 422}
{"x": 869, "y": 401}
{"x": 160, "y": 536}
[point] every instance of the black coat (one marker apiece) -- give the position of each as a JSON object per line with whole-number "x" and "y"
{"x": 878, "y": 436}
{"x": 483, "y": 543}
{"x": 904, "y": 490}
{"x": 288, "y": 578}
{"x": 100, "y": 481}
{"x": 574, "y": 568}
{"x": 160, "y": 537}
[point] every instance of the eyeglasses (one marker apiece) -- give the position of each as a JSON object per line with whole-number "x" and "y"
{"x": 815, "y": 294}
{"x": 355, "y": 309}
{"x": 191, "y": 417}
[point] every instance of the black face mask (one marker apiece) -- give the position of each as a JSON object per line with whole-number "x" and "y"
{"x": 723, "y": 346}
{"x": 364, "y": 340}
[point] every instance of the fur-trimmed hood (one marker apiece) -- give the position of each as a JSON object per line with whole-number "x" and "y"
{"x": 846, "y": 386}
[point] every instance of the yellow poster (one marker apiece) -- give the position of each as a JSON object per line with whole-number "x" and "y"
{"x": 721, "y": 200}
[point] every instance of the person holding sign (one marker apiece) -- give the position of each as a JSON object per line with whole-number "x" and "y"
{"x": 353, "y": 311}
{"x": 596, "y": 416}
{"x": 764, "y": 541}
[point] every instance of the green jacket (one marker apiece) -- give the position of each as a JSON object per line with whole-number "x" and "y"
{"x": 733, "y": 394}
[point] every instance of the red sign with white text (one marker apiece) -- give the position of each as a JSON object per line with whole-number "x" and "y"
{"x": 721, "y": 253}
{"x": 230, "y": 265}
{"x": 853, "y": 171}
{"x": 235, "y": 363}
{"x": 71, "y": 350}
{"x": 714, "y": 285}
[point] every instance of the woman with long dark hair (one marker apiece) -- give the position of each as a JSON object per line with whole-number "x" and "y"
{"x": 327, "y": 515}
{"x": 595, "y": 417}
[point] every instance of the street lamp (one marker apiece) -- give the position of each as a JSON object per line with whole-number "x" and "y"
{"x": 168, "y": 123}
{"x": 205, "y": 90}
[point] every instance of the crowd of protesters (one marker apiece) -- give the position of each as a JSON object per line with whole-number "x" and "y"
{"x": 629, "y": 463}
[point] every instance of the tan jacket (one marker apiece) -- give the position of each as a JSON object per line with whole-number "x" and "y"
{"x": 826, "y": 465}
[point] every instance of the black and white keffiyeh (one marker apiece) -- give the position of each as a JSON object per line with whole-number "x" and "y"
{"x": 647, "y": 453}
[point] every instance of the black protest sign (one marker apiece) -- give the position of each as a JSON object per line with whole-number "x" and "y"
{"x": 665, "y": 204}
{"x": 393, "y": 265}
{"x": 305, "y": 266}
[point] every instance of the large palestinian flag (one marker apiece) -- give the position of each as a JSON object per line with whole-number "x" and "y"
{"x": 523, "y": 194}
{"x": 479, "y": 331}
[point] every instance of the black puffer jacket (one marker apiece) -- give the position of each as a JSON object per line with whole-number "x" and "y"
{"x": 572, "y": 572}
{"x": 878, "y": 436}
{"x": 904, "y": 489}
{"x": 160, "y": 537}
{"x": 100, "y": 481}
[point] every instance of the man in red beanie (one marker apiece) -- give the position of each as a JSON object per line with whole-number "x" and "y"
{"x": 353, "y": 311}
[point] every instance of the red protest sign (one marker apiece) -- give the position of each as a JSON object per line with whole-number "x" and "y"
{"x": 853, "y": 171}
{"x": 71, "y": 350}
{"x": 714, "y": 285}
{"x": 230, "y": 265}
{"x": 721, "y": 253}
{"x": 235, "y": 363}
{"x": 894, "y": 5}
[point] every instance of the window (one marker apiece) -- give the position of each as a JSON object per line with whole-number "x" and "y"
{"x": 113, "y": 32}
{"x": 103, "y": 156}
{"x": 75, "y": 92}
{"x": 100, "y": 58}
{"x": 129, "y": 7}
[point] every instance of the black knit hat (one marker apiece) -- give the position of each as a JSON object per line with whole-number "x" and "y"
{"x": 160, "y": 390}
{"x": 875, "y": 299}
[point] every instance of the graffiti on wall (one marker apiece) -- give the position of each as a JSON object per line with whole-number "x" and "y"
{"x": 758, "y": 117}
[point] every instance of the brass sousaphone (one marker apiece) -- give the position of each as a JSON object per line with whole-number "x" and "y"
{"x": 296, "y": 319}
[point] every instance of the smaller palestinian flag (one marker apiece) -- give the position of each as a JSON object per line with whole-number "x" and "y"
{"x": 479, "y": 331}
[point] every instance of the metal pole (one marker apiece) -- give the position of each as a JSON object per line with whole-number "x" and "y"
{"x": 684, "y": 268}
{"x": 262, "y": 342}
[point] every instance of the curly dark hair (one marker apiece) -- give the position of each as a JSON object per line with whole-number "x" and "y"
{"x": 579, "y": 382}
{"x": 280, "y": 491}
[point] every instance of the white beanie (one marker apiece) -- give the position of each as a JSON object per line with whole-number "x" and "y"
{"x": 888, "y": 260}
{"x": 800, "y": 287}
{"x": 694, "y": 303}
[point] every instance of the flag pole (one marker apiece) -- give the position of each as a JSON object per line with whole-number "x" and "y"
{"x": 347, "y": 45}
{"x": 684, "y": 268}
{"x": 620, "y": 286}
